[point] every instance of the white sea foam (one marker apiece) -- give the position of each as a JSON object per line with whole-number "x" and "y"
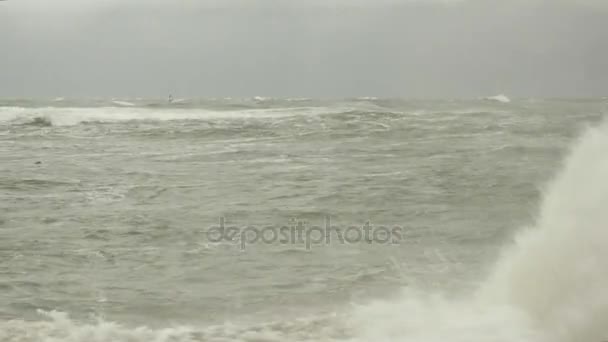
{"x": 550, "y": 286}
{"x": 59, "y": 327}
{"x": 557, "y": 272}
{"x": 498, "y": 98}
{"x": 123, "y": 103}
{"x": 74, "y": 116}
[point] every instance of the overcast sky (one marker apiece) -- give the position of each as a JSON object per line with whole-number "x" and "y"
{"x": 311, "y": 48}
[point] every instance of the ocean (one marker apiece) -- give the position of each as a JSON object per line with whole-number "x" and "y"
{"x": 262, "y": 219}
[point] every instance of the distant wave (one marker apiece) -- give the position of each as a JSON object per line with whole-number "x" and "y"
{"x": 69, "y": 116}
{"x": 298, "y": 99}
{"x": 73, "y": 116}
{"x": 498, "y": 98}
{"x": 176, "y": 101}
{"x": 123, "y": 103}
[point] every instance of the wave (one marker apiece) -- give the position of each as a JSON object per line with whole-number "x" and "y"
{"x": 177, "y": 101}
{"x": 498, "y": 98}
{"x": 556, "y": 272}
{"x": 38, "y": 121}
{"x": 29, "y": 184}
{"x": 70, "y": 116}
{"x": 123, "y": 103}
{"x": 73, "y": 116}
{"x": 58, "y": 326}
{"x": 262, "y": 99}
{"x": 298, "y": 99}
{"x": 550, "y": 285}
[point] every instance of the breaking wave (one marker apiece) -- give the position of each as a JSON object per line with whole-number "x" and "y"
{"x": 73, "y": 116}
{"x": 498, "y": 98}
{"x": 58, "y": 326}
{"x": 123, "y": 103}
{"x": 550, "y": 286}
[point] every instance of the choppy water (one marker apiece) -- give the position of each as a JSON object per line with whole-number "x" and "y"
{"x": 109, "y": 209}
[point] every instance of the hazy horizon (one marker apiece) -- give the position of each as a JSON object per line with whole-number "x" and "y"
{"x": 163, "y": 99}
{"x": 333, "y": 49}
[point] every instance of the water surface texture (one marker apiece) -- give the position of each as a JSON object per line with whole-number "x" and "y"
{"x": 110, "y": 211}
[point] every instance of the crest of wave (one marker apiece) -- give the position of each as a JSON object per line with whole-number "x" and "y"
{"x": 73, "y": 116}
{"x": 498, "y": 98}
{"x": 59, "y": 327}
{"x": 550, "y": 285}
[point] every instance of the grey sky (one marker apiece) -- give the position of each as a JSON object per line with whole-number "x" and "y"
{"x": 330, "y": 48}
